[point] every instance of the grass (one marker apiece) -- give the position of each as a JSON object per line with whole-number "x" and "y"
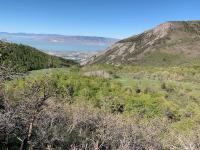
{"x": 145, "y": 92}
{"x": 164, "y": 59}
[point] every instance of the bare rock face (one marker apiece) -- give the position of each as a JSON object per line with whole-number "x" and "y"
{"x": 178, "y": 37}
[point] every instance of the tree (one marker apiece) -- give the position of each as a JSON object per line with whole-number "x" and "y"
{"x": 17, "y": 120}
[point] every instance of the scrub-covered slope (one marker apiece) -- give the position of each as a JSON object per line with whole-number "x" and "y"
{"x": 178, "y": 38}
{"x": 28, "y": 58}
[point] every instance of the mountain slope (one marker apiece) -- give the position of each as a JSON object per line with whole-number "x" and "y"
{"x": 27, "y": 58}
{"x": 176, "y": 38}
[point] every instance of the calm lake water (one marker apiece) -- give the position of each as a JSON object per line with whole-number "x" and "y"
{"x": 52, "y": 46}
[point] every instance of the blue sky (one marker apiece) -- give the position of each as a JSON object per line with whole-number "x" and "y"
{"x": 108, "y": 18}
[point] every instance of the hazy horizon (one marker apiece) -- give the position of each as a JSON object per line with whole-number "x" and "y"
{"x": 58, "y": 43}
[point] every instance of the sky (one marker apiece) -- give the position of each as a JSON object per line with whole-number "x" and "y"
{"x": 105, "y": 18}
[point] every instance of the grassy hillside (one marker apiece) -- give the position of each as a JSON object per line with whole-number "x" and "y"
{"x": 154, "y": 103}
{"x": 158, "y": 106}
{"x": 27, "y": 58}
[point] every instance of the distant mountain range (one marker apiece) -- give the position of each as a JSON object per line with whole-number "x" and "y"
{"x": 172, "y": 42}
{"x": 54, "y": 42}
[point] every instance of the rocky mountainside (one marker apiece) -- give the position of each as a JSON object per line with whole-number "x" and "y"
{"x": 174, "y": 38}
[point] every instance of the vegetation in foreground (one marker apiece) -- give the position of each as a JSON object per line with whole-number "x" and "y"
{"x": 102, "y": 107}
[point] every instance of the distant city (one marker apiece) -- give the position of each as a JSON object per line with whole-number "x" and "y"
{"x": 78, "y": 56}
